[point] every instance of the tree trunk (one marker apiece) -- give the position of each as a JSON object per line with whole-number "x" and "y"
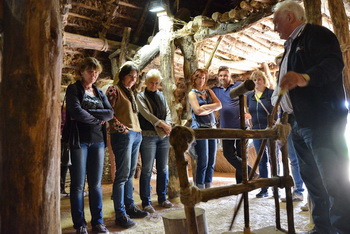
{"x": 166, "y": 52}
{"x": 190, "y": 64}
{"x": 30, "y": 117}
{"x": 313, "y": 11}
{"x": 341, "y": 29}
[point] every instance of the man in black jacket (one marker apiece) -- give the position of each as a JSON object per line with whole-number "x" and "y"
{"x": 311, "y": 70}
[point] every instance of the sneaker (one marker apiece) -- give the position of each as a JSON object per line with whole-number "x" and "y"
{"x": 149, "y": 209}
{"x": 167, "y": 204}
{"x": 99, "y": 228}
{"x": 256, "y": 176}
{"x": 124, "y": 221}
{"x": 305, "y": 207}
{"x": 82, "y": 230}
{"x": 64, "y": 194}
{"x": 135, "y": 212}
{"x": 295, "y": 197}
{"x": 313, "y": 231}
{"x": 262, "y": 194}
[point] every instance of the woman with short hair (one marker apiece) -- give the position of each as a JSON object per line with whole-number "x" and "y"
{"x": 87, "y": 112}
{"x": 155, "y": 121}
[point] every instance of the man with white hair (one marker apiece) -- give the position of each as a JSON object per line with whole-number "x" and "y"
{"x": 311, "y": 69}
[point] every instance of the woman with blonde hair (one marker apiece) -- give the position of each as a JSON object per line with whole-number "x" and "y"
{"x": 260, "y": 107}
{"x": 203, "y": 102}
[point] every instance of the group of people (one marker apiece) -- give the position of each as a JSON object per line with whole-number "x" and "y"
{"x": 311, "y": 69}
{"x": 135, "y": 124}
{"x": 311, "y": 77}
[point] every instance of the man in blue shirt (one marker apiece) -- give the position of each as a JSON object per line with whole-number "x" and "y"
{"x": 229, "y": 118}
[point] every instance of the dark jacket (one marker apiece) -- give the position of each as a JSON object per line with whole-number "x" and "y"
{"x": 316, "y": 52}
{"x": 256, "y": 110}
{"x": 74, "y": 113}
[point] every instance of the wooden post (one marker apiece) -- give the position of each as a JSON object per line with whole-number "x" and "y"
{"x": 188, "y": 49}
{"x": 341, "y": 29}
{"x": 313, "y": 11}
{"x": 30, "y": 117}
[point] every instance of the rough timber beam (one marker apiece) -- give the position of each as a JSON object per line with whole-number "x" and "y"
{"x": 225, "y": 28}
{"x": 90, "y": 43}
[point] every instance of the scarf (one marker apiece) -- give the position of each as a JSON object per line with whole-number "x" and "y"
{"x": 130, "y": 94}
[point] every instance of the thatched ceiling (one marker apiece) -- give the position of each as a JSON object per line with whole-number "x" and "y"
{"x": 248, "y": 44}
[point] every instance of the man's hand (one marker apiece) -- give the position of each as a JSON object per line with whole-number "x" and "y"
{"x": 292, "y": 79}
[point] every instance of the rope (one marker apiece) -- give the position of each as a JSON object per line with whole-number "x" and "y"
{"x": 190, "y": 196}
{"x": 105, "y": 45}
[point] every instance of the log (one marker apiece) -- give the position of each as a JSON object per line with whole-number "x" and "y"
{"x": 246, "y": 6}
{"x": 29, "y": 133}
{"x": 175, "y": 221}
{"x": 207, "y": 65}
{"x": 147, "y": 53}
{"x": 227, "y": 28}
{"x": 190, "y": 64}
{"x": 90, "y": 43}
{"x": 124, "y": 46}
{"x": 270, "y": 2}
{"x": 224, "y": 18}
{"x": 313, "y": 11}
{"x": 203, "y": 21}
{"x": 141, "y": 23}
{"x": 233, "y": 14}
{"x": 216, "y": 16}
{"x": 255, "y": 4}
{"x": 341, "y": 29}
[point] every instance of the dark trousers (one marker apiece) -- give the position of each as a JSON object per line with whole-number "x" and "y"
{"x": 324, "y": 166}
{"x": 232, "y": 153}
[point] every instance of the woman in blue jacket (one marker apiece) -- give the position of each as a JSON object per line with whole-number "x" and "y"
{"x": 260, "y": 107}
{"x": 88, "y": 109}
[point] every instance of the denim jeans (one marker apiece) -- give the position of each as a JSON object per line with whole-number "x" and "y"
{"x": 125, "y": 148}
{"x": 324, "y": 166}
{"x": 154, "y": 148}
{"x": 206, "y": 158}
{"x": 294, "y": 165}
{"x": 265, "y": 159}
{"x": 86, "y": 161}
{"x": 232, "y": 153}
{"x": 263, "y": 164}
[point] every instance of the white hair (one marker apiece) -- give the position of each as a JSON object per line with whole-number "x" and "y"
{"x": 291, "y": 6}
{"x": 153, "y": 73}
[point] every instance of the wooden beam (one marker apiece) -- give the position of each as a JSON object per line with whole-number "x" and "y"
{"x": 124, "y": 46}
{"x": 225, "y": 28}
{"x": 313, "y": 11}
{"x": 141, "y": 23}
{"x": 98, "y": 20}
{"x": 83, "y": 42}
{"x": 341, "y": 29}
{"x": 29, "y": 129}
{"x": 207, "y": 65}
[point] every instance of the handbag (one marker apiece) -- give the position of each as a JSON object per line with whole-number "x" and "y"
{"x": 65, "y": 145}
{"x": 65, "y": 154}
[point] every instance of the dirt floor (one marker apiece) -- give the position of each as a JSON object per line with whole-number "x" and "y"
{"x": 218, "y": 213}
